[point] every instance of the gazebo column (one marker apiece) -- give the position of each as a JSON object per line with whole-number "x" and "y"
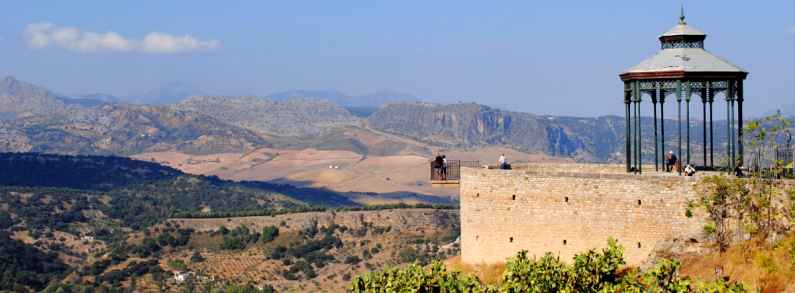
{"x": 729, "y": 126}
{"x": 704, "y": 99}
{"x": 679, "y": 116}
{"x": 654, "y": 106}
{"x": 639, "y": 136}
{"x": 662, "y": 124}
{"x": 628, "y": 137}
{"x": 687, "y": 118}
{"x": 740, "y": 121}
{"x": 711, "y": 95}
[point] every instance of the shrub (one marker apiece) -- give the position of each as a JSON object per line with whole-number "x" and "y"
{"x": 415, "y": 278}
{"x": 591, "y": 271}
{"x": 269, "y": 233}
{"x": 177, "y": 264}
{"x": 196, "y": 257}
{"x": 352, "y": 260}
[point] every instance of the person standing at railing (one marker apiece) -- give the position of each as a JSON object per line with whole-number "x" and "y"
{"x": 437, "y": 167}
{"x": 444, "y": 167}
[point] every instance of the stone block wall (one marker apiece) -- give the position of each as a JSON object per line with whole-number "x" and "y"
{"x": 570, "y": 209}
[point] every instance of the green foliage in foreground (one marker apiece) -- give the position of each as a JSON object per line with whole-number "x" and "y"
{"x": 591, "y": 271}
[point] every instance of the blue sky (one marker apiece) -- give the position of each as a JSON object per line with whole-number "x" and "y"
{"x": 556, "y": 57}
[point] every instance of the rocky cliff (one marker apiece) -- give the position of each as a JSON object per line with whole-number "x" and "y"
{"x": 473, "y": 125}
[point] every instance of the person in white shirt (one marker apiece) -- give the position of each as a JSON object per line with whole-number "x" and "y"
{"x": 444, "y": 167}
{"x": 503, "y": 162}
{"x": 690, "y": 170}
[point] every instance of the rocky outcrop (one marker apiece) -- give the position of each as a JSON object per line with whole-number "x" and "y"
{"x": 22, "y": 98}
{"x": 294, "y": 117}
{"x": 473, "y": 125}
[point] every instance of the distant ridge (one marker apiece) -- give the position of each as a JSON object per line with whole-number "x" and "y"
{"x": 19, "y": 97}
{"x": 292, "y": 117}
{"x": 34, "y": 119}
{"x": 372, "y": 100}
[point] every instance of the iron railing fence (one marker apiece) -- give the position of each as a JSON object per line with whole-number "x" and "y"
{"x": 452, "y": 171}
{"x": 771, "y": 161}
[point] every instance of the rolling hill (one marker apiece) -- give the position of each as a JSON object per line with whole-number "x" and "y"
{"x": 33, "y": 119}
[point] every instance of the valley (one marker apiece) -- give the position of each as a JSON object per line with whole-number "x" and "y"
{"x": 341, "y": 171}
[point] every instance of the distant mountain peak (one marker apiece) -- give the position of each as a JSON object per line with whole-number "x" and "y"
{"x": 167, "y": 93}
{"x": 374, "y": 100}
{"x": 21, "y": 97}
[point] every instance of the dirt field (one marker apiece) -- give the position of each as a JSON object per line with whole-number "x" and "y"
{"x": 342, "y": 171}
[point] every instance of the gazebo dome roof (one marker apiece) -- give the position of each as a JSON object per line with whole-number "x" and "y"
{"x": 682, "y": 54}
{"x": 684, "y": 59}
{"x": 682, "y": 29}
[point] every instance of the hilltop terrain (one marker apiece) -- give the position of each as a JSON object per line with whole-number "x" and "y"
{"x": 33, "y": 119}
{"x": 294, "y": 117}
{"x": 111, "y": 228}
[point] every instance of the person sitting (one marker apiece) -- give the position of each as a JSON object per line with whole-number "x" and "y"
{"x": 738, "y": 169}
{"x": 690, "y": 170}
{"x": 670, "y": 161}
{"x": 504, "y": 163}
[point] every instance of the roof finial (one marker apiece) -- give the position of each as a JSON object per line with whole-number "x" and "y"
{"x": 682, "y": 15}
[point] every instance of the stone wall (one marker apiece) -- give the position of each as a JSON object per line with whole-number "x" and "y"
{"x": 566, "y": 209}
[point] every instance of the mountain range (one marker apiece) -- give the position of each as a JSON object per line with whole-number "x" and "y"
{"x": 34, "y": 119}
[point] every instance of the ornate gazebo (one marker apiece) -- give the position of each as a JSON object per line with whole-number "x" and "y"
{"x": 681, "y": 68}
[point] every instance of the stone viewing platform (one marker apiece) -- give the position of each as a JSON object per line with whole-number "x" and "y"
{"x": 569, "y": 208}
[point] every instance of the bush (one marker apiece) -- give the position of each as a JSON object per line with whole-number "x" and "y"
{"x": 415, "y": 278}
{"x": 177, "y": 264}
{"x": 196, "y": 257}
{"x": 352, "y": 260}
{"x": 5, "y": 220}
{"x": 591, "y": 271}
{"x": 269, "y": 233}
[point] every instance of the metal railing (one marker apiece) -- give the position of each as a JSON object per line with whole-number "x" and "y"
{"x": 452, "y": 171}
{"x": 776, "y": 160}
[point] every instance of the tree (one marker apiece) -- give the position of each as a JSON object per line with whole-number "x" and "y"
{"x": 5, "y": 220}
{"x": 269, "y": 233}
{"x": 716, "y": 192}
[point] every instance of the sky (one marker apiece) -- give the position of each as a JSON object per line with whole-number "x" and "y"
{"x": 551, "y": 57}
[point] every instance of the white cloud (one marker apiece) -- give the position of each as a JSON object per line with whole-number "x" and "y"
{"x": 164, "y": 43}
{"x": 44, "y": 34}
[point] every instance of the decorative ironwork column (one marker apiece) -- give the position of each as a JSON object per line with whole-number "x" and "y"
{"x": 740, "y": 121}
{"x": 711, "y": 95}
{"x": 679, "y": 116}
{"x": 687, "y": 118}
{"x": 729, "y": 130}
{"x": 627, "y": 137}
{"x": 654, "y": 106}
{"x": 638, "y": 150}
{"x": 704, "y": 99}
{"x": 662, "y": 125}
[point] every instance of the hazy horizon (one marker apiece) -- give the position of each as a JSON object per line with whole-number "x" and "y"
{"x": 559, "y": 58}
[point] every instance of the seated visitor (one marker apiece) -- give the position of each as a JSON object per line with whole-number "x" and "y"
{"x": 670, "y": 161}
{"x": 503, "y": 162}
{"x": 690, "y": 170}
